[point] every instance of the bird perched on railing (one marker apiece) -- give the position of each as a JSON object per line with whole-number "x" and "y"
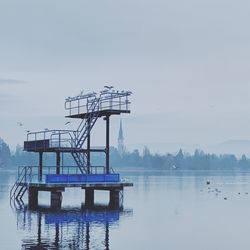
{"x": 108, "y": 87}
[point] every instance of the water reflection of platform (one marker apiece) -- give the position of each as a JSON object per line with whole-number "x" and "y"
{"x": 69, "y": 228}
{"x": 90, "y": 216}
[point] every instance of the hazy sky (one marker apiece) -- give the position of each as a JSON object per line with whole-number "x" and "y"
{"x": 187, "y": 63}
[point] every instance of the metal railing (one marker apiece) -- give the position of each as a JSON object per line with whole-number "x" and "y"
{"x": 54, "y": 138}
{"x": 24, "y": 176}
{"x": 108, "y": 99}
{"x": 59, "y": 137}
{"x": 30, "y": 174}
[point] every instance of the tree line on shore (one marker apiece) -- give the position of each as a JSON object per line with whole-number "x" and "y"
{"x": 196, "y": 161}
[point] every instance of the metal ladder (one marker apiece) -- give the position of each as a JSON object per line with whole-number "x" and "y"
{"x": 80, "y": 161}
{"x": 82, "y": 133}
{"x": 21, "y": 185}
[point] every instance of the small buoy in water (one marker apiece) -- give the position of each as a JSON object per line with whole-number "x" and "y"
{"x": 238, "y": 193}
{"x": 246, "y": 193}
{"x": 208, "y": 182}
{"x": 225, "y": 198}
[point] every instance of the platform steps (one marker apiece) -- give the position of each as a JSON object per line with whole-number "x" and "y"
{"x": 80, "y": 161}
{"x": 82, "y": 134}
{"x": 87, "y": 124}
{"x": 20, "y": 186}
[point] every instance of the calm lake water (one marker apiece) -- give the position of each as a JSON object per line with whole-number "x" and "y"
{"x": 164, "y": 210}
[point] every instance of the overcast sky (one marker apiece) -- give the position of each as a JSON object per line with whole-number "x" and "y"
{"x": 187, "y": 63}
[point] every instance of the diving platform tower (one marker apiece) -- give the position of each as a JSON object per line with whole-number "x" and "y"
{"x": 88, "y": 108}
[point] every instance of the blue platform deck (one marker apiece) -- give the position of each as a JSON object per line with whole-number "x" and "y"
{"x": 82, "y": 178}
{"x": 62, "y": 181}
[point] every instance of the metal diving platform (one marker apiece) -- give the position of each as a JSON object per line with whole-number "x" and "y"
{"x": 88, "y": 108}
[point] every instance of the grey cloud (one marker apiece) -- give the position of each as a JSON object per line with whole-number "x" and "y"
{"x": 8, "y": 81}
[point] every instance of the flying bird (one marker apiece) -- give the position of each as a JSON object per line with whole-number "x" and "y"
{"x": 27, "y": 131}
{"x": 67, "y": 123}
{"x": 108, "y": 87}
{"x": 20, "y": 124}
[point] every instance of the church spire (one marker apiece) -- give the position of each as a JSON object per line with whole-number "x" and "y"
{"x": 121, "y": 147}
{"x": 120, "y": 137}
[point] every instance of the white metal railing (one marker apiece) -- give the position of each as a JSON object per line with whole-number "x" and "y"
{"x": 108, "y": 99}
{"x": 30, "y": 174}
{"x": 55, "y": 136}
{"x": 51, "y": 139}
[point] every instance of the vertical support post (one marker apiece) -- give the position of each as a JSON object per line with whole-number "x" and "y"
{"x": 89, "y": 197}
{"x": 62, "y": 162}
{"x": 116, "y": 198}
{"x": 57, "y": 234}
{"x": 40, "y": 169}
{"x": 107, "y": 143}
{"x": 58, "y": 162}
{"x": 88, "y": 148}
{"x": 33, "y": 197}
{"x": 39, "y": 233}
{"x": 106, "y": 235}
{"x": 87, "y": 239}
